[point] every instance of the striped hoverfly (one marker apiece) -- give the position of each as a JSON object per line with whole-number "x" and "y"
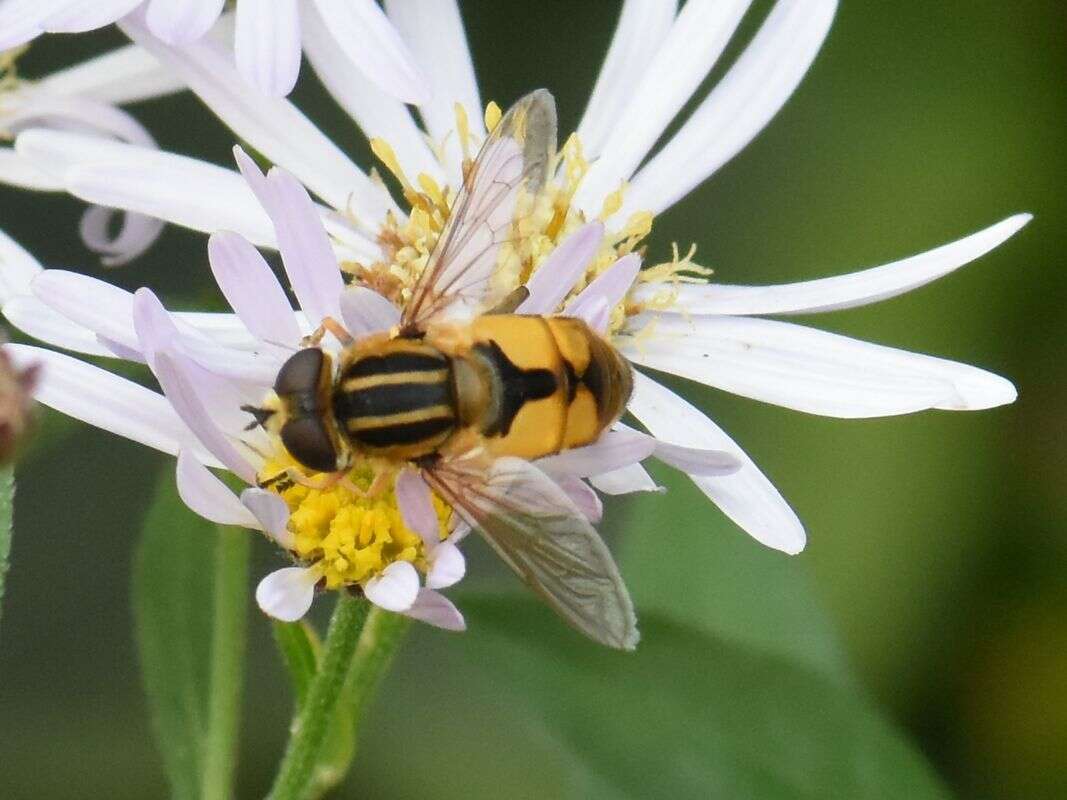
{"x": 467, "y": 392}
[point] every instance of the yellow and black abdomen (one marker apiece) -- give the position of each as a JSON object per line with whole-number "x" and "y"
{"x": 553, "y": 383}
{"x": 394, "y": 398}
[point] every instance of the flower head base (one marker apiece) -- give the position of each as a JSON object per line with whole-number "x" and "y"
{"x": 349, "y": 538}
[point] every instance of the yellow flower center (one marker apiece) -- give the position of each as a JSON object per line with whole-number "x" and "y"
{"x": 542, "y": 221}
{"x": 347, "y": 537}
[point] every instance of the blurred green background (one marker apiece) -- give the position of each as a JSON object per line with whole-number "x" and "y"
{"x": 934, "y": 580}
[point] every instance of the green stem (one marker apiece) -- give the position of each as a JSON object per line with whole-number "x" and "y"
{"x": 219, "y": 754}
{"x": 377, "y": 646}
{"x": 315, "y": 716}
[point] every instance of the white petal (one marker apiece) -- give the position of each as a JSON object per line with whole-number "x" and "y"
{"x": 17, "y": 269}
{"x": 18, "y": 171}
{"x": 78, "y": 113}
{"x": 613, "y": 450}
{"x": 272, "y": 125}
{"x": 208, "y": 496}
{"x": 135, "y": 235}
{"x": 365, "y": 311}
{"x": 433, "y": 30}
{"x": 98, "y": 306}
{"x": 416, "y": 506}
{"x": 743, "y": 102}
{"x": 124, "y": 75}
{"x": 583, "y": 497}
{"x": 182, "y": 22}
{"x": 841, "y": 291}
{"x": 286, "y": 593}
{"x": 686, "y": 55}
{"x": 182, "y": 190}
{"x": 378, "y": 114}
{"x": 395, "y": 589}
{"x": 271, "y": 514}
{"x": 812, "y": 370}
{"x": 692, "y": 460}
{"x": 633, "y": 478}
{"x": 43, "y": 323}
{"x": 437, "y": 610}
{"x": 447, "y": 566}
{"x": 643, "y": 24}
{"x": 562, "y": 270}
{"x": 107, "y": 401}
{"x": 249, "y": 285}
{"x": 608, "y": 289}
{"x": 267, "y": 45}
{"x": 746, "y": 497}
{"x": 309, "y": 261}
{"x": 374, "y": 47}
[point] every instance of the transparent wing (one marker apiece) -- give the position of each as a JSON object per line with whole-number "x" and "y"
{"x": 458, "y": 275}
{"x": 538, "y": 532}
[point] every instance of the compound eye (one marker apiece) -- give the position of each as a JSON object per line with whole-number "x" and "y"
{"x": 308, "y": 442}
{"x": 300, "y": 373}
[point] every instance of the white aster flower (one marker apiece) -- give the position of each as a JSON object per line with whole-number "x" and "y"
{"x": 266, "y": 34}
{"x": 398, "y": 548}
{"x": 581, "y": 233}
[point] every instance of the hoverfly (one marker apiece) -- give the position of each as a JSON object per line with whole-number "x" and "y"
{"x": 467, "y": 392}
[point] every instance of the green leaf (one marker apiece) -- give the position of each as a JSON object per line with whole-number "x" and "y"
{"x": 682, "y": 557}
{"x": 190, "y": 590}
{"x": 688, "y": 714}
{"x": 7, "y": 504}
{"x": 299, "y": 647}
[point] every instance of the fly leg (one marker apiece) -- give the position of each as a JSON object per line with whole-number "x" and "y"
{"x": 329, "y": 324}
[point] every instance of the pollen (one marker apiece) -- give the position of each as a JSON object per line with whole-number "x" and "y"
{"x": 542, "y": 221}
{"x": 349, "y": 538}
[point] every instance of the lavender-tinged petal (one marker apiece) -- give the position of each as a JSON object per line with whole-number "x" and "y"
{"x": 747, "y": 497}
{"x": 583, "y": 497}
{"x": 249, "y": 286}
{"x": 374, "y": 47}
{"x": 608, "y": 289}
{"x": 613, "y": 450}
{"x": 172, "y": 370}
{"x": 364, "y": 311}
{"x": 267, "y": 45}
{"x": 435, "y": 609}
{"x": 271, "y": 514}
{"x": 447, "y": 566}
{"x": 416, "y": 506}
{"x": 309, "y": 261}
{"x": 286, "y": 594}
{"x": 208, "y": 496}
{"x": 692, "y": 460}
{"x": 107, "y": 401}
{"x": 562, "y": 270}
{"x": 625, "y": 480}
{"x": 395, "y": 589}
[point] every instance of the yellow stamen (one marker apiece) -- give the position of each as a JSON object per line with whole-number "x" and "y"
{"x": 492, "y": 116}
{"x": 348, "y": 538}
